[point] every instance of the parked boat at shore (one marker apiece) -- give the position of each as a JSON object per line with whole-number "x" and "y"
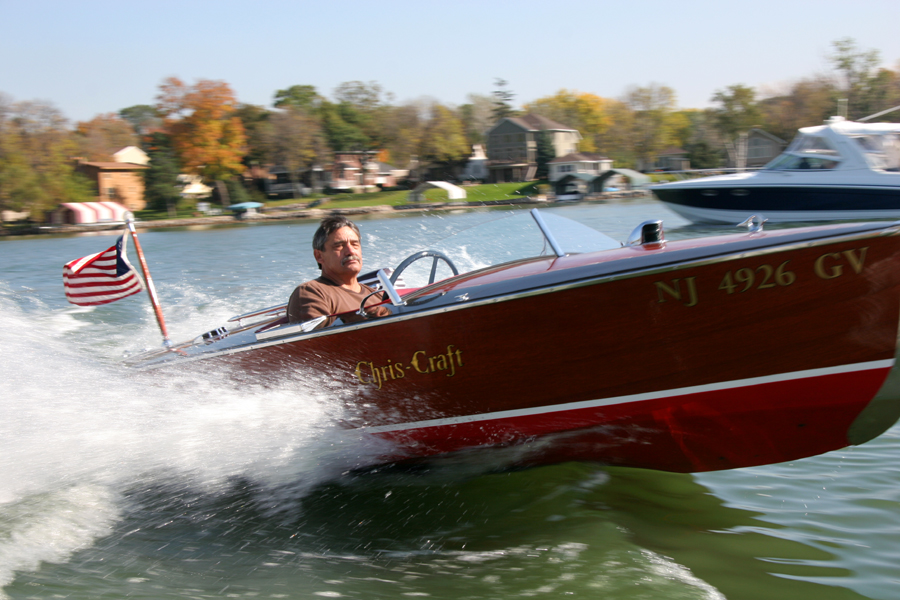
{"x": 841, "y": 170}
{"x": 691, "y": 355}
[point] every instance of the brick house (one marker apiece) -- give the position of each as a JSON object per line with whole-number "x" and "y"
{"x": 117, "y": 182}
{"x": 361, "y": 171}
{"x": 353, "y": 171}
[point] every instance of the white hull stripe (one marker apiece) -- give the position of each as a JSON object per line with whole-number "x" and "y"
{"x": 697, "y": 389}
{"x": 729, "y": 215}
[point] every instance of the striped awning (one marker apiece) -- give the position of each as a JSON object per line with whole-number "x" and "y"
{"x": 95, "y": 212}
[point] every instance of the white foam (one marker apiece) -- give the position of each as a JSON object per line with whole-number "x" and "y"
{"x": 51, "y": 526}
{"x": 79, "y": 430}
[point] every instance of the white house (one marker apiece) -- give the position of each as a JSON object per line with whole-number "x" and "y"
{"x": 133, "y": 155}
{"x": 476, "y": 168}
{"x": 578, "y": 162}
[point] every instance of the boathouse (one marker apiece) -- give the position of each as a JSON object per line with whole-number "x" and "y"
{"x": 88, "y": 213}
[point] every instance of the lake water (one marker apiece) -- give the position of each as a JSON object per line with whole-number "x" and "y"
{"x": 117, "y": 484}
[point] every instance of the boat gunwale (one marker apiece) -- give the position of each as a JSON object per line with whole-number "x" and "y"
{"x": 723, "y": 253}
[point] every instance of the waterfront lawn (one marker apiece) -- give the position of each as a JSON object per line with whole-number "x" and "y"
{"x": 475, "y": 194}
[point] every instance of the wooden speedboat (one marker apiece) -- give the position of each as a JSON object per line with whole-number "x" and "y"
{"x": 691, "y": 355}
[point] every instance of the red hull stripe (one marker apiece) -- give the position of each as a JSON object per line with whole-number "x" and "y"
{"x": 674, "y": 393}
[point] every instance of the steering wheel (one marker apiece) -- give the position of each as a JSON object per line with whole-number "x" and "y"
{"x": 438, "y": 256}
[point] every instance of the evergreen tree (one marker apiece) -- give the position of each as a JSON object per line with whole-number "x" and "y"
{"x": 545, "y": 153}
{"x": 161, "y": 177}
{"x": 142, "y": 117}
{"x": 502, "y": 100}
{"x": 704, "y": 156}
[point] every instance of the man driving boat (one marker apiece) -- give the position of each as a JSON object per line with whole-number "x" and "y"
{"x": 338, "y": 252}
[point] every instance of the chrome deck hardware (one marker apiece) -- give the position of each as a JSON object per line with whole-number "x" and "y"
{"x": 648, "y": 232}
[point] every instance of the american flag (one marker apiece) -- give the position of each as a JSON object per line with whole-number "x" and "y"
{"x": 101, "y": 278}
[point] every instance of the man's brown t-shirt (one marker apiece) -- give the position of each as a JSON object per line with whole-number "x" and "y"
{"x": 324, "y": 297}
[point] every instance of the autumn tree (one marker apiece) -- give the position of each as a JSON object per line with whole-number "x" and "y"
{"x": 341, "y": 129}
{"x": 256, "y": 121}
{"x": 585, "y": 112}
{"x": 655, "y": 121}
{"x": 362, "y": 110}
{"x": 207, "y": 136}
{"x": 702, "y": 140}
{"x": 736, "y": 113}
{"x": 19, "y": 183}
{"x": 36, "y": 167}
{"x": 295, "y": 141}
{"x": 103, "y": 136}
{"x": 617, "y": 142}
{"x": 404, "y": 127}
{"x": 884, "y": 94}
{"x": 443, "y": 138}
{"x": 477, "y": 116}
{"x": 298, "y": 96}
{"x": 856, "y": 69}
{"x": 807, "y": 102}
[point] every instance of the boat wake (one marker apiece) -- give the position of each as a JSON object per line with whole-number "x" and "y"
{"x": 81, "y": 435}
{"x": 90, "y": 450}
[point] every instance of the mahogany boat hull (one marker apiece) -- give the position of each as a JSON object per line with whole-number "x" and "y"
{"x": 680, "y": 357}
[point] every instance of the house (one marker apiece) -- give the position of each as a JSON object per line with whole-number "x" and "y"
{"x": 87, "y": 213}
{"x": 578, "y": 162}
{"x": 10, "y": 216}
{"x": 574, "y": 186}
{"x": 133, "y": 155}
{"x": 192, "y": 187}
{"x": 670, "y": 159}
{"x": 476, "y": 167}
{"x": 280, "y": 184}
{"x": 116, "y": 182}
{"x": 387, "y": 176}
{"x": 360, "y": 171}
{"x": 352, "y": 171}
{"x": 762, "y": 147}
{"x": 513, "y": 146}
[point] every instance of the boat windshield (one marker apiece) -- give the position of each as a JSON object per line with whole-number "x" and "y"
{"x": 882, "y": 152}
{"x": 489, "y": 239}
{"x": 806, "y": 152}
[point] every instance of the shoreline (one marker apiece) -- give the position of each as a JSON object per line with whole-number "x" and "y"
{"x": 304, "y": 214}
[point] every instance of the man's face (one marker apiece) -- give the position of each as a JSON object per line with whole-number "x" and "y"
{"x": 341, "y": 259}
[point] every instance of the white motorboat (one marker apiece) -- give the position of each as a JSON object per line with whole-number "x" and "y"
{"x": 841, "y": 170}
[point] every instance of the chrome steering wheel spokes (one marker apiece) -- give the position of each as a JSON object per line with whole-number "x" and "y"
{"x": 437, "y": 256}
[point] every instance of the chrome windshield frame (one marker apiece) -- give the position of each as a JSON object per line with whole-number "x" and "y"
{"x": 557, "y": 249}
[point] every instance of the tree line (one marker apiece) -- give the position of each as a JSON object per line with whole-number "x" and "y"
{"x": 203, "y": 129}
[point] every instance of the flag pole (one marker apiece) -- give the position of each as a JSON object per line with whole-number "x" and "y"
{"x": 151, "y": 291}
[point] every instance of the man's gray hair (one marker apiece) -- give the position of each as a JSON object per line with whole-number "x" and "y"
{"x": 328, "y": 226}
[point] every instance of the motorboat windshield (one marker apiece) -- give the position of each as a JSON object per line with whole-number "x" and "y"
{"x": 807, "y": 152}
{"x": 881, "y": 151}
{"x": 826, "y": 148}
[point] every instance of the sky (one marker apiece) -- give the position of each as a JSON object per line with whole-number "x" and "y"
{"x": 90, "y": 58}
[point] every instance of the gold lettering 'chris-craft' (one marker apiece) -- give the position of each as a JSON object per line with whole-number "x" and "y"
{"x": 420, "y": 363}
